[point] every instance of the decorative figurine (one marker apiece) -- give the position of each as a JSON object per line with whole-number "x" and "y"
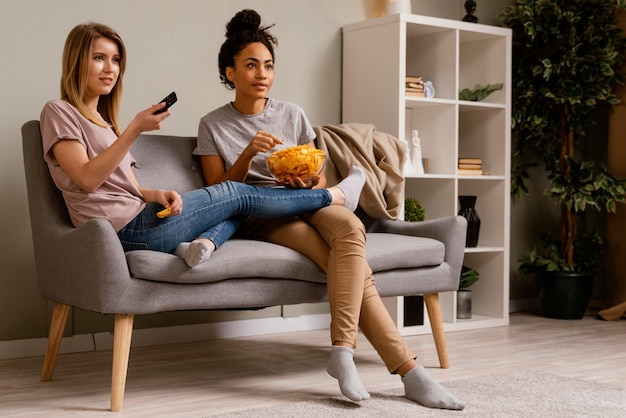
{"x": 398, "y": 6}
{"x": 408, "y": 167}
{"x": 416, "y": 153}
{"x": 470, "y": 8}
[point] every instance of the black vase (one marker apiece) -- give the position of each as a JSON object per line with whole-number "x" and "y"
{"x": 468, "y": 211}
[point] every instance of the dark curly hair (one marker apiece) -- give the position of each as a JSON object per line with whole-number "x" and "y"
{"x": 243, "y": 29}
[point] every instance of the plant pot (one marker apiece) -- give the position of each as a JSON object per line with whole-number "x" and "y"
{"x": 464, "y": 304}
{"x": 564, "y": 294}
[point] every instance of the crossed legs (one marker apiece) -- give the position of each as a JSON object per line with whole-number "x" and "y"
{"x": 334, "y": 238}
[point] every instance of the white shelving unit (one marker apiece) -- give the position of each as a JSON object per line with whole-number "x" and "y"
{"x": 378, "y": 54}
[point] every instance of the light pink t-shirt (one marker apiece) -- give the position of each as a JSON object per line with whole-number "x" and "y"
{"x": 117, "y": 199}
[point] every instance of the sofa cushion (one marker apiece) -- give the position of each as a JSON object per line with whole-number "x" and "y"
{"x": 393, "y": 251}
{"x": 236, "y": 258}
{"x": 239, "y": 258}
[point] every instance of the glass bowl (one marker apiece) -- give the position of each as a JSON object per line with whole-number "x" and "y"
{"x": 300, "y": 161}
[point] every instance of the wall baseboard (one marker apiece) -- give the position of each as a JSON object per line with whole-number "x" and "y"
{"x": 532, "y": 305}
{"x": 34, "y": 347}
{"x": 524, "y": 305}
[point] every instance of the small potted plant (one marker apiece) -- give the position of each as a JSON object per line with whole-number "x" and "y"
{"x": 469, "y": 276}
{"x": 567, "y": 59}
{"x": 413, "y": 210}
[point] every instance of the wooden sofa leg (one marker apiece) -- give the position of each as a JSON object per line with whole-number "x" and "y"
{"x": 436, "y": 323}
{"x": 121, "y": 350}
{"x": 60, "y": 313}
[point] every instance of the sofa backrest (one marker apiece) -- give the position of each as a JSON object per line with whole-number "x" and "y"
{"x": 167, "y": 162}
{"x": 163, "y": 161}
{"x": 45, "y": 201}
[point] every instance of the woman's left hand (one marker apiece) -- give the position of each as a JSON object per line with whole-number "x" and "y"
{"x": 298, "y": 183}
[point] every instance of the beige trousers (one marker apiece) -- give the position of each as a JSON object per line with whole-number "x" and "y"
{"x": 334, "y": 239}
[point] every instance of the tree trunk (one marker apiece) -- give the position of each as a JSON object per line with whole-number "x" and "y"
{"x": 567, "y": 222}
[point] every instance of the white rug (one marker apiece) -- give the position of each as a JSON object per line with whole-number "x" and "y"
{"x": 519, "y": 394}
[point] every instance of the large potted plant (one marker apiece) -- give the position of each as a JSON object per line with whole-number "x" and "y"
{"x": 567, "y": 56}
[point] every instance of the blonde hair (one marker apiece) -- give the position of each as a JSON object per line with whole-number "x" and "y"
{"x": 75, "y": 71}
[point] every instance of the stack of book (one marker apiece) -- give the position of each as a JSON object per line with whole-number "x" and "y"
{"x": 414, "y": 86}
{"x": 470, "y": 166}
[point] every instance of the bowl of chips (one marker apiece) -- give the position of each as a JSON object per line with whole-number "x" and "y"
{"x": 300, "y": 161}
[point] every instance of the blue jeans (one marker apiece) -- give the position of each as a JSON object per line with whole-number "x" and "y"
{"x": 222, "y": 232}
{"x": 206, "y": 208}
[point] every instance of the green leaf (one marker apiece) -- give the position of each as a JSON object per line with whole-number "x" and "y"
{"x": 469, "y": 276}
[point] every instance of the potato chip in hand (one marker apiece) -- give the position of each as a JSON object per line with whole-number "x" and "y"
{"x": 164, "y": 213}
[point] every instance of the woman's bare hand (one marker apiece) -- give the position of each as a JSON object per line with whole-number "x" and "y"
{"x": 169, "y": 199}
{"x": 262, "y": 142}
{"x": 146, "y": 120}
{"x": 298, "y": 183}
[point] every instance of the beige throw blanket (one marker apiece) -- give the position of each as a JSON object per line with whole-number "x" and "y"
{"x": 380, "y": 154}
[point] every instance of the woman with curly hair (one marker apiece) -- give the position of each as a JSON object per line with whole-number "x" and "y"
{"x": 232, "y": 141}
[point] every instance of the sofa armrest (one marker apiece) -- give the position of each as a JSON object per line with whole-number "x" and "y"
{"x": 84, "y": 267}
{"x": 449, "y": 230}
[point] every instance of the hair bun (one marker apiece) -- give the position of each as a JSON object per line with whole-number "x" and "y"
{"x": 245, "y": 20}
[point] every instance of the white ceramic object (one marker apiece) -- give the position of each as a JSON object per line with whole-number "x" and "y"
{"x": 398, "y": 6}
{"x": 416, "y": 154}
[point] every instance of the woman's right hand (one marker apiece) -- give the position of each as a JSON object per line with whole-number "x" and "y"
{"x": 262, "y": 142}
{"x": 146, "y": 120}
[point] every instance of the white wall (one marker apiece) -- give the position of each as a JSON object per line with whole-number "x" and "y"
{"x": 171, "y": 45}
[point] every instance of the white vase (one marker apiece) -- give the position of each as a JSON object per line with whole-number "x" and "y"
{"x": 398, "y": 6}
{"x": 408, "y": 167}
{"x": 416, "y": 153}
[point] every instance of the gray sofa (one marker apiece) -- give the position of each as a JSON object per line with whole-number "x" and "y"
{"x": 86, "y": 267}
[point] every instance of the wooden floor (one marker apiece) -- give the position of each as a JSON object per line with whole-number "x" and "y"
{"x": 213, "y": 377}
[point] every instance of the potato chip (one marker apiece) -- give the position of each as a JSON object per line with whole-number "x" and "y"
{"x": 164, "y": 213}
{"x": 300, "y": 161}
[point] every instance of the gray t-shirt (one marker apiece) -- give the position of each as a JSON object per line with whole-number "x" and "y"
{"x": 118, "y": 199}
{"x": 226, "y": 132}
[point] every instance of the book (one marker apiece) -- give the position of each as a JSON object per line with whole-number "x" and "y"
{"x": 470, "y": 166}
{"x": 415, "y": 93}
{"x": 413, "y": 79}
{"x": 411, "y": 85}
{"x": 414, "y": 88}
{"x": 470, "y": 160}
{"x": 466, "y": 172}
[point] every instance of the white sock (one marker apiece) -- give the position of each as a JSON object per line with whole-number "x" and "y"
{"x": 351, "y": 187}
{"x": 420, "y": 387}
{"x": 341, "y": 366}
{"x": 194, "y": 252}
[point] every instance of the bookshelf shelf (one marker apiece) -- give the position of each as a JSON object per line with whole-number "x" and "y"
{"x": 453, "y": 56}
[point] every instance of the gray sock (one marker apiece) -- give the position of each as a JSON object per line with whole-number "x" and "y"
{"x": 194, "y": 252}
{"x": 341, "y": 366}
{"x": 420, "y": 387}
{"x": 351, "y": 187}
